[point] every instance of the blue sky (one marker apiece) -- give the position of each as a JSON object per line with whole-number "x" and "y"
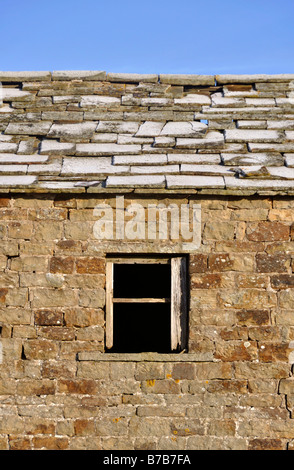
{"x": 154, "y": 36}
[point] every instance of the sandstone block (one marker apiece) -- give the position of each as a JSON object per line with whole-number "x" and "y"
{"x": 83, "y": 317}
{"x": 282, "y": 281}
{"x": 78, "y": 386}
{"x": 7, "y": 386}
{"x": 268, "y": 231}
{"x": 93, "y": 370}
{"x": 150, "y": 426}
{"x": 54, "y": 369}
{"x": 149, "y": 371}
{"x": 91, "y": 333}
{"x": 165, "y": 411}
{"x": 15, "y": 316}
{"x": 40, "y": 349}
{"x": 266, "y": 444}
{"x": 61, "y": 265}
{"x": 161, "y": 386}
{"x": 50, "y": 443}
{"x": 236, "y": 351}
{"x": 47, "y": 230}
{"x": 253, "y": 317}
{"x": 35, "y": 387}
{"x": 273, "y": 352}
{"x": 16, "y": 443}
{"x": 42, "y": 297}
{"x": 207, "y": 281}
{"x": 198, "y": 263}
{"x": 92, "y": 298}
{"x": 262, "y": 370}
{"x": 223, "y": 428}
{"x": 209, "y": 371}
{"x": 247, "y": 299}
{"x": 219, "y": 231}
{"x": 84, "y": 427}
{"x": 29, "y": 263}
{"x": 183, "y": 371}
{"x": 276, "y": 263}
{"x": 90, "y": 265}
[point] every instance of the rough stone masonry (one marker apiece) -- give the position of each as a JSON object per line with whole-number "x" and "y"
{"x": 71, "y": 141}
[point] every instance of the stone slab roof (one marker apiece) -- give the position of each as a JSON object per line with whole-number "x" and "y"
{"x": 89, "y": 131}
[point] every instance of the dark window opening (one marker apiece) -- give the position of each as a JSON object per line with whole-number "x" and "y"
{"x": 141, "y": 280}
{"x": 146, "y": 305}
{"x": 141, "y": 328}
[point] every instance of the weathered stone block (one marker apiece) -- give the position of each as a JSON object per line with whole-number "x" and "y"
{"x": 52, "y": 369}
{"x": 268, "y": 231}
{"x": 207, "y": 281}
{"x": 36, "y": 387}
{"x": 209, "y": 371}
{"x": 236, "y": 351}
{"x": 78, "y": 386}
{"x": 83, "y": 317}
{"x": 219, "y": 231}
{"x": 161, "y": 386}
{"x": 277, "y": 263}
{"x": 90, "y": 265}
{"x": 273, "y": 352}
{"x": 84, "y": 130}
{"x": 262, "y": 370}
{"x": 93, "y": 370}
{"x": 40, "y": 349}
{"x": 183, "y": 371}
{"x": 150, "y": 426}
{"x": 88, "y": 75}
{"x": 61, "y": 265}
{"x": 92, "y": 298}
{"x": 149, "y": 371}
{"x": 50, "y": 443}
{"x": 30, "y": 128}
{"x": 15, "y": 316}
{"x": 253, "y": 317}
{"x": 91, "y": 333}
{"x": 48, "y": 230}
{"x": 266, "y": 444}
{"x": 246, "y": 299}
{"x": 53, "y": 298}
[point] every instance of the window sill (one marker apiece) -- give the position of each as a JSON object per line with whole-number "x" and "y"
{"x": 144, "y": 357}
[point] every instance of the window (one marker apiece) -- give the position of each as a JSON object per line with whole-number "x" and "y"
{"x": 146, "y": 304}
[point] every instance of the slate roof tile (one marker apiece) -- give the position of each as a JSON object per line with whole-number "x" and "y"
{"x": 92, "y": 131}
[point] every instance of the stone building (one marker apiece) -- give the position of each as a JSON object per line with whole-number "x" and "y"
{"x": 146, "y": 261}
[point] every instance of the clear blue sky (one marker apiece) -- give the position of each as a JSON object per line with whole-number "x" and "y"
{"x": 149, "y": 36}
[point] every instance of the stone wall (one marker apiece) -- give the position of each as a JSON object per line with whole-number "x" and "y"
{"x": 233, "y": 389}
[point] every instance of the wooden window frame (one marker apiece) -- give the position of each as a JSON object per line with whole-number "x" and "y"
{"x": 178, "y": 300}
